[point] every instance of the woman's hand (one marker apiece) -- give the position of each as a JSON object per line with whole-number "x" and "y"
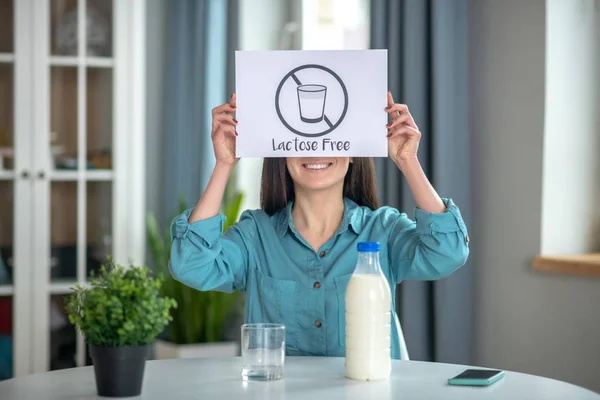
{"x": 223, "y": 136}
{"x": 403, "y": 144}
{"x": 403, "y": 133}
{"x": 223, "y": 133}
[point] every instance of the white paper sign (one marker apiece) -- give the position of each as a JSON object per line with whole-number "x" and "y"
{"x": 311, "y": 103}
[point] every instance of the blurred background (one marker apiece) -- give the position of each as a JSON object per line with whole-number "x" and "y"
{"x": 105, "y": 135}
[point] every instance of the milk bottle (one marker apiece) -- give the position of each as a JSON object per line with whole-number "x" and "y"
{"x": 368, "y": 318}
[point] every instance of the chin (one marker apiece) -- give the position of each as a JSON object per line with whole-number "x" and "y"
{"x": 318, "y": 173}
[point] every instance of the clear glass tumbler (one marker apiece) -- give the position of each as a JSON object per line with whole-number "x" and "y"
{"x": 263, "y": 351}
{"x": 311, "y": 102}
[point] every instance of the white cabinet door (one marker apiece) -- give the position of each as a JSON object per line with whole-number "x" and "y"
{"x": 77, "y": 193}
{"x": 71, "y": 165}
{"x": 15, "y": 188}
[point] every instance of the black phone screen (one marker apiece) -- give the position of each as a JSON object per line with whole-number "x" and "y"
{"x": 477, "y": 374}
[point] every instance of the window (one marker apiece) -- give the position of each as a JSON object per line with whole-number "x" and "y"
{"x": 335, "y": 24}
{"x": 571, "y": 166}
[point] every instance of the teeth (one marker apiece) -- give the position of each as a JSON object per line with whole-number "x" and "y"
{"x": 317, "y": 166}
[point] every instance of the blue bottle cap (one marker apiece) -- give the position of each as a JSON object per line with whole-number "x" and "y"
{"x": 368, "y": 247}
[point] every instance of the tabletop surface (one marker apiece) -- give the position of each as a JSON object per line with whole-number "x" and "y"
{"x": 305, "y": 378}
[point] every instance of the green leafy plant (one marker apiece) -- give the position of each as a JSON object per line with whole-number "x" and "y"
{"x": 201, "y": 317}
{"x": 121, "y": 307}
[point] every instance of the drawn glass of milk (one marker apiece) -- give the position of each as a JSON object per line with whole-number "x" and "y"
{"x": 311, "y": 102}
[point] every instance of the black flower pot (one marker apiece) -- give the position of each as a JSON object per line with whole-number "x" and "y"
{"x": 119, "y": 371}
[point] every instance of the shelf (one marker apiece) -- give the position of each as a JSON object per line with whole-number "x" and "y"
{"x": 88, "y": 175}
{"x": 578, "y": 264}
{"x": 94, "y": 62}
{"x": 7, "y": 175}
{"x": 6, "y": 290}
{"x": 7, "y": 58}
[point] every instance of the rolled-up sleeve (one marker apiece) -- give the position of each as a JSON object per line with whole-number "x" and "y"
{"x": 205, "y": 258}
{"x": 431, "y": 248}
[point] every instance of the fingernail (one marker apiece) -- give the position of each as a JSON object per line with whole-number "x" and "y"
{"x": 235, "y": 120}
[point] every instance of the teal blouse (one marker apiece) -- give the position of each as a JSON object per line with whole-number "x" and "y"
{"x": 286, "y": 281}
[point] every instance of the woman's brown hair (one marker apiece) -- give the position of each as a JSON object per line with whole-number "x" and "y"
{"x": 277, "y": 187}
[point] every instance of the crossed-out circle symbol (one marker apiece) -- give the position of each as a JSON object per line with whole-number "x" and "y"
{"x": 292, "y": 75}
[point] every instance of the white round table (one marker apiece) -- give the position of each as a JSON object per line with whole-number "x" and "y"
{"x": 305, "y": 378}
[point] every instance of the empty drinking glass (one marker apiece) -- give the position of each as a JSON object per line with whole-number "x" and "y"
{"x": 311, "y": 102}
{"x": 263, "y": 351}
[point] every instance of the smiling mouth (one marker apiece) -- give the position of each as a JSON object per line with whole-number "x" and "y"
{"x": 317, "y": 166}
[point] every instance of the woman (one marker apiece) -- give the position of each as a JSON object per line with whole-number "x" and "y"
{"x": 294, "y": 258}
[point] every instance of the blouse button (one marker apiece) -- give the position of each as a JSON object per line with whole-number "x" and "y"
{"x": 322, "y": 254}
{"x": 318, "y": 324}
{"x": 317, "y": 285}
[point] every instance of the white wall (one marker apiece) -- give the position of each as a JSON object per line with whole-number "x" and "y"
{"x": 525, "y": 321}
{"x": 571, "y": 183}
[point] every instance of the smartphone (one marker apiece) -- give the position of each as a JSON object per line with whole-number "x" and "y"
{"x": 477, "y": 377}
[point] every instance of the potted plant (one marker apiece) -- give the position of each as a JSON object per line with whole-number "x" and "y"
{"x": 120, "y": 314}
{"x": 201, "y": 319}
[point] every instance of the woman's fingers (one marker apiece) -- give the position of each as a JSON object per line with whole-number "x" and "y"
{"x": 390, "y": 104}
{"x": 222, "y": 117}
{"x": 226, "y": 130}
{"x": 403, "y": 118}
{"x": 397, "y": 111}
{"x": 395, "y": 108}
{"x": 409, "y": 131}
{"x": 390, "y": 100}
{"x": 223, "y": 108}
{"x": 230, "y": 130}
{"x": 402, "y": 122}
{"x": 225, "y": 119}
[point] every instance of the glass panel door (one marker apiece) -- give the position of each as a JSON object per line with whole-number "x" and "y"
{"x": 66, "y": 16}
{"x": 7, "y": 191}
{"x": 78, "y": 178}
{"x": 7, "y": 23}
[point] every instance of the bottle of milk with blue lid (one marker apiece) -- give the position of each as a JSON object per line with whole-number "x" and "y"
{"x": 368, "y": 318}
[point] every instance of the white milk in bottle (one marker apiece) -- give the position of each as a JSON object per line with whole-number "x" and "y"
{"x": 368, "y": 318}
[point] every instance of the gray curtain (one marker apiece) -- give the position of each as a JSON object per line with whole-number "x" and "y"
{"x": 202, "y": 39}
{"x": 427, "y": 42}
